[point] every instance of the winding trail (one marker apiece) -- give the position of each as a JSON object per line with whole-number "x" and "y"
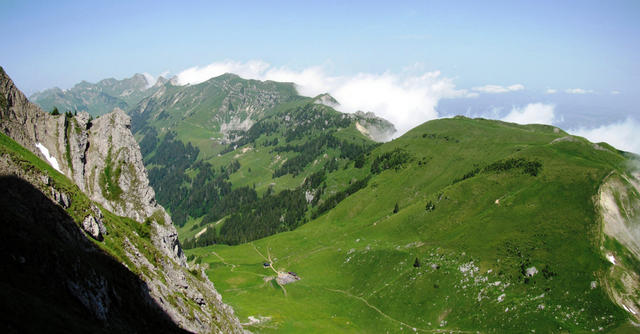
{"x": 373, "y": 307}
{"x": 233, "y": 266}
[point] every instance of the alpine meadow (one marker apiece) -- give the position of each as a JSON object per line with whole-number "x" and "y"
{"x": 420, "y": 167}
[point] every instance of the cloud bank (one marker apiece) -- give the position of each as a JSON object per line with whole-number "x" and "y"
{"x": 495, "y": 89}
{"x": 539, "y": 113}
{"x": 406, "y": 99}
{"x": 621, "y": 135}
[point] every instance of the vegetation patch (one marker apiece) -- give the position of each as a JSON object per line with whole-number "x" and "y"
{"x": 109, "y": 178}
{"x": 67, "y": 134}
{"x": 442, "y": 137}
{"x": 395, "y": 159}
{"x": 531, "y": 168}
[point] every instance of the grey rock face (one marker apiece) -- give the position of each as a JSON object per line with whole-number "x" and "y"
{"x": 114, "y": 174}
{"x": 85, "y": 151}
{"x": 166, "y": 238}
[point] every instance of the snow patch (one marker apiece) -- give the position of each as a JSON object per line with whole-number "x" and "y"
{"x": 50, "y": 158}
{"x": 611, "y": 258}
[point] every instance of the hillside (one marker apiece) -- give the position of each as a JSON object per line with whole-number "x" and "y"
{"x": 205, "y": 114}
{"x": 239, "y": 151}
{"x": 499, "y": 228}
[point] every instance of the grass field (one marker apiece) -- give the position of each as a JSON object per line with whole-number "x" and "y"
{"x": 474, "y": 250}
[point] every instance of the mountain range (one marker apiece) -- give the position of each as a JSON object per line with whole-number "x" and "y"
{"x": 308, "y": 219}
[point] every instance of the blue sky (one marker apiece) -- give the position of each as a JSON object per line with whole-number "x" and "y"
{"x": 586, "y": 46}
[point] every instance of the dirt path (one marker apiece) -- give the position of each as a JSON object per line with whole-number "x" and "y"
{"x": 396, "y": 320}
{"x": 270, "y": 266}
{"x": 233, "y": 266}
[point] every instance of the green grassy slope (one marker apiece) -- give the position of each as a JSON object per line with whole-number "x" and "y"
{"x": 474, "y": 246}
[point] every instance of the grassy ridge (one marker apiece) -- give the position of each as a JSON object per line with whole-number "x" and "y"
{"x": 474, "y": 249}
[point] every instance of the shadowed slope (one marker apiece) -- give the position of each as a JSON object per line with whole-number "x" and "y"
{"x": 55, "y": 280}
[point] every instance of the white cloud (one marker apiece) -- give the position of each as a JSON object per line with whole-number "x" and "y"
{"x": 406, "y": 99}
{"x": 621, "y": 135}
{"x": 494, "y": 89}
{"x": 551, "y": 91}
{"x": 538, "y": 113}
{"x": 195, "y": 75}
{"x": 578, "y": 91}
{"x": 615, "y": 92}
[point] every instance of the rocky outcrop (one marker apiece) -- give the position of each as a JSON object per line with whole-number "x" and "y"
{"x": 374, "y": 127}
{"x": 111, "y": 168}
{"x": 103, "y": 159}
{"x": 618, "y": 203}
{"x": 100, "y": 156}
{"x": 93, "y": 224}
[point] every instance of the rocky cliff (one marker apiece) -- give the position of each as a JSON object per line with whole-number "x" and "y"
{"x": 100, "y": 156}
{"x": 103, "y": 159}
